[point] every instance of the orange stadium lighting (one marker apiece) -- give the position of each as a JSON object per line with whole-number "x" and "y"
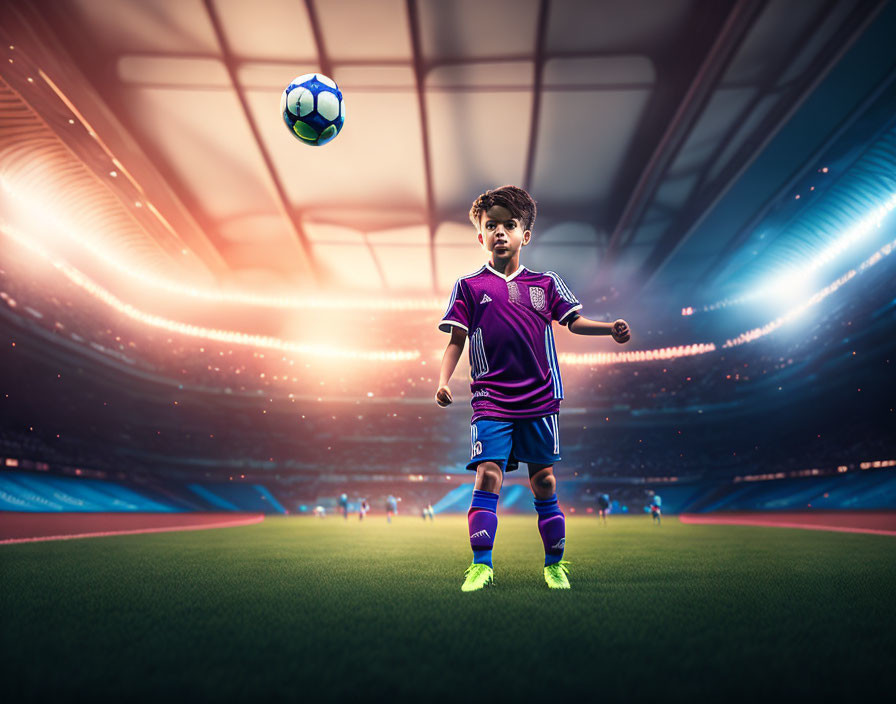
{"x": 603, "y": 358}
{"x": 233, "y": 337}
{"x": 37, "y": 214}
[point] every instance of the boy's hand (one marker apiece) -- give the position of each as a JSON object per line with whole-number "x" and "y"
{"x": 621, "y": 333}
{"x": 443, "y": 396}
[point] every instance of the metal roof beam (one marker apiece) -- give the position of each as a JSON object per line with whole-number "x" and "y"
{"x": 323, "y": 58}
{"x": 701, "y": 204}
{"x": 280, "y": 197}
{"x": 419, "y": 75}
{"x": 540, "y": 42}
{"x": 737, "y": 25}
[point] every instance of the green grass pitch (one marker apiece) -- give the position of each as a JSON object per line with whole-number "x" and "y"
{"x": 302, "y": 608}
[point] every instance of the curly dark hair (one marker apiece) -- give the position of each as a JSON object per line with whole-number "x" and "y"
{"x": 515, "y": 199}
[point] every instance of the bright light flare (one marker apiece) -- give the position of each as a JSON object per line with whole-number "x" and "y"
{"x": 795, "y": 283}
{"x": 228, "y": 336}
{"x": 33, "y": 211}
{"x": 819, "y": 296}
{"x": 789, "y": 287}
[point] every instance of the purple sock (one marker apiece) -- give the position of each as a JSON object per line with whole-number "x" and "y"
{"x": 552, "y": 526}
{"x": 483, "y": 521}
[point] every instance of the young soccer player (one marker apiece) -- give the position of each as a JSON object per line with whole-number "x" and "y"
{"x": 507, "y": 312}
{"x": 656, "y": 509}
{"x": 603, "y": 507}
{"x": 391, "y": 507}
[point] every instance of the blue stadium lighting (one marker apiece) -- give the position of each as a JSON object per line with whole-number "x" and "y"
{"x": 795, "y": 283}
{"x": 817, "y": 297}
{"x": 788, "y": 287}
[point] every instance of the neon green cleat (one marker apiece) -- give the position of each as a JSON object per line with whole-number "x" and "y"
{"x": 477, "y": 576}
{"x": 555, "y": 575}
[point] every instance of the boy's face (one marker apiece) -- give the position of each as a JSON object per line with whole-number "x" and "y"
{"x": 501, "y": 233}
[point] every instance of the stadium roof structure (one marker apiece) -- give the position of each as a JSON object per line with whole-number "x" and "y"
{"x": 655, "y": 136}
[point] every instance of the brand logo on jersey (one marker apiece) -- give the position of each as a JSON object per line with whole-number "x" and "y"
{"x": 561, "y": 544}
{"x": 485, "y": 299}
{"x": 480, "y": 393}
{"x": 536, "y": 295}
{"x": 513, "y": 291}
{"x": 477, "y": 449}
{"x": 480, "y": 534}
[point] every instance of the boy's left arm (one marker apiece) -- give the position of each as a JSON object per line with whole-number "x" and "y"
{"x": 619, "y": 329}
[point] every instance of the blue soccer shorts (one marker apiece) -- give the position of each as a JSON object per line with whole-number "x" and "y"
{"x": 509, "y": 442}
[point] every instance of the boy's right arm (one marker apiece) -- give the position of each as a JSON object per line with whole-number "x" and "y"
{"x": 449, "y": 364}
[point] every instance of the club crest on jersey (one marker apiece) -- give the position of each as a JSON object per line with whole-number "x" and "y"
{"x": 536, "y": 295}
{"x": 513, "y": 291}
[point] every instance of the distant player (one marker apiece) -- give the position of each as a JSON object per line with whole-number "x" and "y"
{"x": 507, "y": 312}
{"x": 430, "y": 512}
{"x": 343, "y": 505}
{"x": 391, "y": 507}
{"x": 603, "y": 507}
{"x": 320, "y": 512}
{"x": 363, "y": 508}
{"x": 656, "y": 509}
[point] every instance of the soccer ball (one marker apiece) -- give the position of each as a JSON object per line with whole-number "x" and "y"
{"x": 313, "y": 109}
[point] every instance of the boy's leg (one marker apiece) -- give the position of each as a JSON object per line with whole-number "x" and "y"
{"x": 551, "y": 521}
{"x": 483, "y": 514}
{"x": 490, "y": 446}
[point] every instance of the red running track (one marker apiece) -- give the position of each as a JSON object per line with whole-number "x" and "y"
{"x": 16, "y": 527}
{"x": 875, "y": 522}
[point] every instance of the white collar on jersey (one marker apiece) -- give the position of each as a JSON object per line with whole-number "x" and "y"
{"x": 506, "y": 278}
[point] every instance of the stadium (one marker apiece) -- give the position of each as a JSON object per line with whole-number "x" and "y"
{"x": 224, "y": 474}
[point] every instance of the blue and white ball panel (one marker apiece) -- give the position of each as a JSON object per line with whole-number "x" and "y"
{"x": 299, "y": 80}
{"x": 300, "y": 101}
{"x": 509, "y": 442}
{"x": 327, "y": 106}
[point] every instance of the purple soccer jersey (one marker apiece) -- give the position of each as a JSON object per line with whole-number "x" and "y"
{"x": 508, "y": 320}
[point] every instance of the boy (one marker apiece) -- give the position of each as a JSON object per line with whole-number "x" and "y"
{"x": 507, "y": 312}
